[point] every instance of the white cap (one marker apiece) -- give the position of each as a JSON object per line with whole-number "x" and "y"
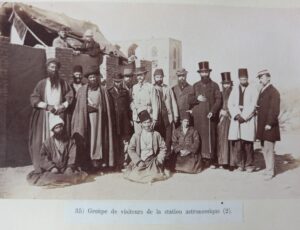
{"x": 54, "y": 121}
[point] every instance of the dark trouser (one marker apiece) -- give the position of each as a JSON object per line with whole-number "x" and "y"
{"x": 245, "y": 152}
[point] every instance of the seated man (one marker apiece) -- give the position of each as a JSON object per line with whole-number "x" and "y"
{"x": 147, "y": 151}
{"x": 57, "y": 159}
{"x": 186, "y": 145}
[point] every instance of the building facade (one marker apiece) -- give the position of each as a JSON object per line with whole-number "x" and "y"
{"x": 164, "y": 53}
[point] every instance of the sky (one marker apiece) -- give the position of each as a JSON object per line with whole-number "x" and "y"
{"x": 228, "y": 37}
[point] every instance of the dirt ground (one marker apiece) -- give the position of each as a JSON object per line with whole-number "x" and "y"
{"x": 210, "y": 184}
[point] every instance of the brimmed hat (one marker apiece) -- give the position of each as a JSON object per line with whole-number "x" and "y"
{"x": 53, "y": 60}
{"x": 144, "y": 116}
{"x": 56, "y": 120}
{"x": 226, "y": 78}
{"x": 203, "y": 66}
{"x": 181, "y": 72}
{"x": 243, "y": 72}
{"x": 159, "y": 72}
{"x": 77, "y": 68}
{"x": 118, "y": 77}
{"x": 92, "y": 70}
{"x": 140, "y": 70}
{"x": 263, "y": 72}
{"x": 185, "y": 115}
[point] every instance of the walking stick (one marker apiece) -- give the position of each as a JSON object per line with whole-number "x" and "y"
{"x": 209, "y": 136}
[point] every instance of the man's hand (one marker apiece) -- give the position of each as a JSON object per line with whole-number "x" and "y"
{"x": 54, "y": 170}
{"x": 268, "y": 127}
{"x": 209, "y": 115}
{"x": 154, "y": 122}
{"x": 60, "y": 109}
{"x": 51, "y": 108}
{"x": 239, "y": 118}
{"x": 223, "y": 112}
{"x": 184, "y": 152}
{"x": 160, "y": 159}
{"x": 201, "y": 98}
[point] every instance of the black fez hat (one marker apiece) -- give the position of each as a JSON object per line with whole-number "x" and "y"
{"x": 77, "y": 68}
{"x": 144, "y": 116}
{"x": 203, "y": 66}
{"x": 226, "y": 78}
{"x": 159, "y": 72}
{"x": 243, "y": 72}
{"x": 117, "y": 77}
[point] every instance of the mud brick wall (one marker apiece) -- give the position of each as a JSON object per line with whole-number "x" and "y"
{"x": 112, "y": 68}
{"x": 65, "y": 56}
{"x": 4, "y": 46}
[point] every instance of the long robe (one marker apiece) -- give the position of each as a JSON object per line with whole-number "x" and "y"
{"x": 80, "y": 126}
{"x": 61, "y": 159}
{"x": 39, "y": 118}
{"x": 223, "y": 129}
{"x": 153, "y": 169}
{"x": 207, "y": 128}
{"x": 190, "y": 163}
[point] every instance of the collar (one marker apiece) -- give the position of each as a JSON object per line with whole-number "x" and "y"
{"x": 266, "y": 86}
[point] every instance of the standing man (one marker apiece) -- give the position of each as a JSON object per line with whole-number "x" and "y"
{"x": 127, "y": 80}
{"x": 92, "y": 122}
{"x": 224, "y": 123}
{"x": 268, "y": 131}
{"x": 206, "y": 101}
{"x": 122, "y": 117}
{"x": 50, "y": 98}
{"x": 168, "y": 110}
{"x": 182, "y": 91}
{"x": 242, "y": 105}
{"x": 77, "y": 79}
{"x": 75, "y": 85}
{"x": 144, "y": 97}
{"x": 61, "y": 40}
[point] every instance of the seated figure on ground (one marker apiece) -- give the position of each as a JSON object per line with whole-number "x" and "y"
{"x": 186, "y": 145}
{"x": 57, "y": 159}
{"x": 147, "y": 151}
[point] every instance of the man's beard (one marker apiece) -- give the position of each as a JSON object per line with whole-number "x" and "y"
{"x": 128, "y": 84}
{"x": 182, "y": 83}
{"x": 205, "y": 80}
{"x": 244, "y": 84}
{"x": 59, "y": 136}
{"x": 54, "y": 79}
{"x": 159, "y": 82}
{"x": 93, "y": 85}
{"x": 76, "y": 80}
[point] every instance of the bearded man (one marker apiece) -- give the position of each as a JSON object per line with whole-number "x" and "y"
{"x": 92, "y": 123}
{"x": 58, "y": 155}
{"x": 50, "y": 98}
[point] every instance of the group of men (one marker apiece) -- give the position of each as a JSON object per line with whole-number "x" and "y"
{"x": 148, "y": 130}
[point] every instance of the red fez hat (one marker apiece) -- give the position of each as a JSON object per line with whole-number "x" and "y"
{"x": 144, "y": 116}
{"x": 159, "y": 72}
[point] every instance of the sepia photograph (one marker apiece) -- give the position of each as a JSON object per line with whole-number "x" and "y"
{"x": 149, "y": 100}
